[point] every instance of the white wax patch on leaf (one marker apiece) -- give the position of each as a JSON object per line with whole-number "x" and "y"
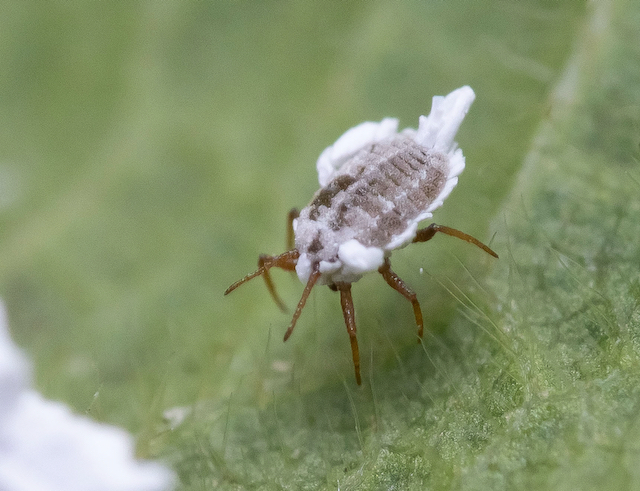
{"x": 14, "y": 370}
{"x": 44, "y": 446}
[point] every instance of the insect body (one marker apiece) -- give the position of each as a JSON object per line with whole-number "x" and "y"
{"x": 377, "y": 184}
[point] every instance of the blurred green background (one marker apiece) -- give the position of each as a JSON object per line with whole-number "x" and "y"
{"x": 149, "y": 151}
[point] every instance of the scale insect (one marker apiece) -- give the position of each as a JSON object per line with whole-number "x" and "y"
{"x": 377, "y": 184}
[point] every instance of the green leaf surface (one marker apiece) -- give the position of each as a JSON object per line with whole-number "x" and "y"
{"x": 150, "y": 152}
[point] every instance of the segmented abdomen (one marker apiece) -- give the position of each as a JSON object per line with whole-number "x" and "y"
{"x": 375, "y": 196}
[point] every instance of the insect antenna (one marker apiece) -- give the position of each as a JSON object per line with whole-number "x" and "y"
{"x": 286, "y": 261}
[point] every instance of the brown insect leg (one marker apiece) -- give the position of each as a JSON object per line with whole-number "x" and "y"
{"x": 286, "y": 261}
{"x": 426, "y": 234}
{"x": 350, "y": 320}
{"x": 263, "y": 260}
{"x": 395, "y": 282}
{"x": 313, "y": 277}
{"x": 291, "y": 216}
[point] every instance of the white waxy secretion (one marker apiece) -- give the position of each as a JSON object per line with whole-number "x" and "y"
{"x": 377, "y": 185}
